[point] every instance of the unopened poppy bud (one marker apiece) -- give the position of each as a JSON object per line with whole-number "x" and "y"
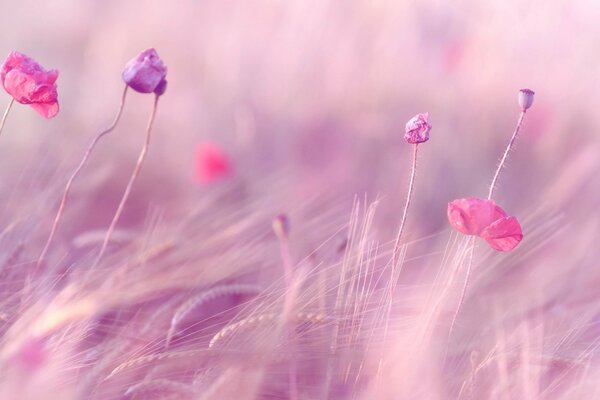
{"x": 526, "y": 98}
{"x": 281, "y": 225}
{"x": 417, "y": 129}
{"x": 146, "y": 73}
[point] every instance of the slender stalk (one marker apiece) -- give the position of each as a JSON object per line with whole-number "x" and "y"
{"x": 8, "y": 107}
{"x": 82, "y": 163}
{"x": 510, "y": 146}
{"x": 290, "y": 295}
{"x": 396, "y": 253}
{"x": 286, "y": 258}
{"x": 506, "y": 152}
{"x": 132, "y": 179}
{"x": 406, "y": 205}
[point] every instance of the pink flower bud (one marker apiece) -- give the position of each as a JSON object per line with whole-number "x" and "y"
{"x": 29, "y": 83}
{"x": 417, "y": 129}
{"x": 526, "y": 98}
{"x": 146, "y": 73}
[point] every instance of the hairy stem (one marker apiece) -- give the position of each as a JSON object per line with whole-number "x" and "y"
{"x": 406, "y": 205}
{"x": 8, "y": 107}
{"x": 132, "y": 179}
{"x": 82, "y": 163}
{"x": 506, "y": 152}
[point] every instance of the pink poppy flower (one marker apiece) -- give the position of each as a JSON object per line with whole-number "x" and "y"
{"x": 503, "y": 234}
{"x": 212, "y": 163}
{"x": 484, "y": 218}
{"x": 146, "y": 73}
{"x": 29, "y": 83}
{"x": 417, "y": 129}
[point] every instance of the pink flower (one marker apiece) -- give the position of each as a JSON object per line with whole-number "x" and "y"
{"x": 417, "y": 129}
{"x": 212, "y": 163}
{"x": 29, "y": 83}
{"x": 484, "y": 218}
{"x": 146, "y": 73}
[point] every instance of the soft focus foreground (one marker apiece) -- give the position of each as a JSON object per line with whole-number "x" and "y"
{"x": 304, "y": 105}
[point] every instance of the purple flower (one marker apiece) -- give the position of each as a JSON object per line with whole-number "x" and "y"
{"x": 417, "y": 129}
{"x": 146, "y": 73}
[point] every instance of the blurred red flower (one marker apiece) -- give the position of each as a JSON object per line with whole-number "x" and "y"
{"x": 29, "y": 83}
{"x": 212, "y": 163}
{"x": 484, "y": 218}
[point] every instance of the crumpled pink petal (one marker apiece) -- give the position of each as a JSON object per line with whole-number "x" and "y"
{"x": 503, "y": 234}
{"x": 417, "y": 129}
{"x": 146, "y": 73}
{"x": 46, "y": 110}
{"x": 29, "y": 83}
{"x": 471, "y": 215}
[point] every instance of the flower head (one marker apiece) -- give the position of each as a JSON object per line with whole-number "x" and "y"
{"x": 212, "y": 163}
{"x": 526, "y": 98}
{"x": 417, "y": 129}
{"x": 146, "y": 73}
{"x": 484, "y": 218}
{"x": 29, "y": 83}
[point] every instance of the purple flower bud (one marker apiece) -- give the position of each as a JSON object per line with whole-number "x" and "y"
{"x": 146, "y": 73}
{"x": 526, "y": 98}
{"x": 417, "y": 129}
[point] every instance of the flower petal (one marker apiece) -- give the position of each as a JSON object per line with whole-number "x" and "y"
{"x": 46, "y": 110}
{"x": 503, "y": 234}
{"x": 471, "y": 215}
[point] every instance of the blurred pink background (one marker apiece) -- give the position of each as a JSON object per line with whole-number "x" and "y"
{"x": 310, "y": 98}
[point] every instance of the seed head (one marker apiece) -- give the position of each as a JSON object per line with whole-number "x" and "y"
{"x": 526, "y": 98}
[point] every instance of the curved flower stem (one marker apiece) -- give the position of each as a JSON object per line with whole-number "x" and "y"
{"x": 67, "y": 190}
{"x": 406, "y": 205}
{"x": 506, "y": 152}
{"x": 132, "y": 179}
{"x": 8, "y": 107}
